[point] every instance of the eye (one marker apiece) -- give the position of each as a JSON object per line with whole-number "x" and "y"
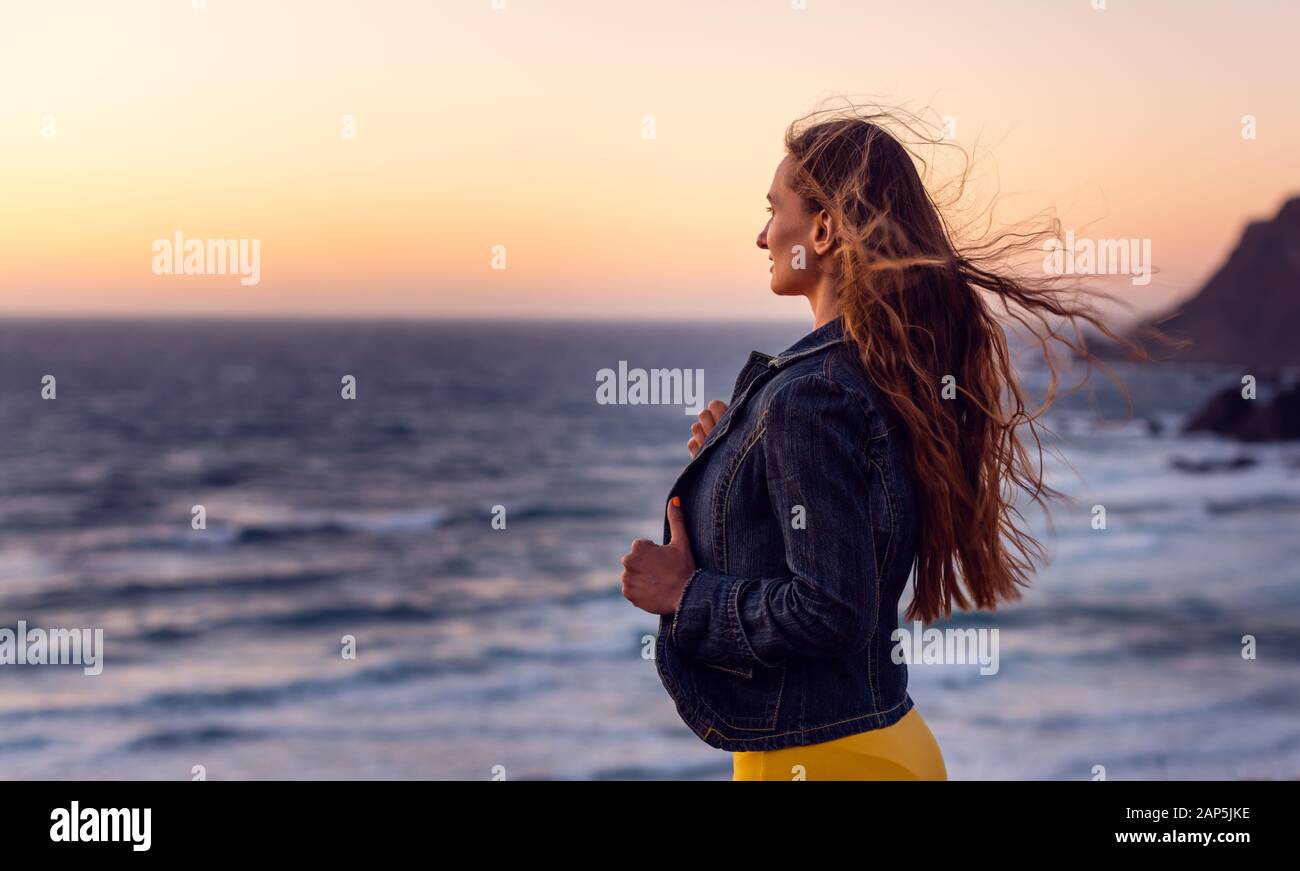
{"x": 770, "y": 211}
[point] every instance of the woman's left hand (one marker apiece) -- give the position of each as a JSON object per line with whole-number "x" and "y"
{"x": 655, "y": 575}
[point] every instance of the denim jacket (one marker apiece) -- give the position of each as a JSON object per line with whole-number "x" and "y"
{"x": 801, "y": 515}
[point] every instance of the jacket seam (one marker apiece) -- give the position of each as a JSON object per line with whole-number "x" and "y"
{"x": 672, "y": 630}
{"x": 873, "y": 662}
{"x": 745, "y": 673}
{"x": 870, "y": 412}
{"x": 734, "y": 618}
{"x": 731, "y": 481}
{"x": 814, "y": 728}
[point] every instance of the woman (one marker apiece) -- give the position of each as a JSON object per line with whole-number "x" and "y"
{"x": 882, "y": 441}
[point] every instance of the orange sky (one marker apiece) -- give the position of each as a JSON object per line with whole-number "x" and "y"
{"x": 523, "y": 127}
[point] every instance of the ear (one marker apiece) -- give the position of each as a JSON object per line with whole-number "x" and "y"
{"x": 823, "y": 233}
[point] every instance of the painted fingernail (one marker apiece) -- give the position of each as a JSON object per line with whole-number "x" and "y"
{"x": 677, "y": 500}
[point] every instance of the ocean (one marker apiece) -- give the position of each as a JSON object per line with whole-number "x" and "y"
{"x": 486, "y": 652}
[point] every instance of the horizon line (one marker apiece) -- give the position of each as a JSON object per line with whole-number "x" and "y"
{"x": 244, "y": 317}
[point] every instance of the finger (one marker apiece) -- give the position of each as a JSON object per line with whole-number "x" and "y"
{"x": 698, "y": 430}
{"x": 693, "y": 446}
{"x": 707, "y": 420}
{"x": 677, "y": 524}
{"x": 719, "y": 408}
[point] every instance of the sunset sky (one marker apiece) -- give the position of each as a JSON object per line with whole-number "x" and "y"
{"x": 123, "y": 121}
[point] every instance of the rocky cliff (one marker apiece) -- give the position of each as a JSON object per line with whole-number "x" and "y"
{"x": 1249, "y": 313}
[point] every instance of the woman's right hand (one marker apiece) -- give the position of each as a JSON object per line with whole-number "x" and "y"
{"x": 708, "y": 419}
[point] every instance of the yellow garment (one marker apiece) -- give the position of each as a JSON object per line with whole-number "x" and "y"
{"x": 904, "y": 751}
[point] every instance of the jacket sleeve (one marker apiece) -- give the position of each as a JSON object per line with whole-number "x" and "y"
{"x": 815, "y": 449}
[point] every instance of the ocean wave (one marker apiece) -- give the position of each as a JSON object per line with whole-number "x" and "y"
{"x": 136, "y": 592}
{"x": 258, "y": 529}
{"x": 340, "y": 523}
{"x": 1265, "y": 502}
{"x": 238, "y": 698}
{"x": 202, "y": 736}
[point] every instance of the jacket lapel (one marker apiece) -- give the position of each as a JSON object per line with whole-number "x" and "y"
{"x": 755, "y": 371}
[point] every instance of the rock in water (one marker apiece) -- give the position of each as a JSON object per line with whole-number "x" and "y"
{"x": 1224, "y": 413}
{"x": 1248, "y": 420}
{"x": 1277, "y": 421}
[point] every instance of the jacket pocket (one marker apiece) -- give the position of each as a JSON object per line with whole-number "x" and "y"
{"x": 746, "y": 698}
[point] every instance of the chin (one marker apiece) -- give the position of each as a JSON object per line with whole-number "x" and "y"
{"x": 781, "y": 290}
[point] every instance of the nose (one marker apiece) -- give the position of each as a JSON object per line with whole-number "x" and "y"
{"x": 762, "y": 235}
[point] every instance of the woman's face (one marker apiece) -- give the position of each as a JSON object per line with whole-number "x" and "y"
{"x": 791, "y": 238}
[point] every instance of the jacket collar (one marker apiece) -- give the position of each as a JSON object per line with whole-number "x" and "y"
{"x": 819, "y": 339}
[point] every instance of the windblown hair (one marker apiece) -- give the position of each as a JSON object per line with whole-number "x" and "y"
{"x": 918, "y": 309}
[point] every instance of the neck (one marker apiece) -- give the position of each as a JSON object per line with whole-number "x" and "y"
{"x": 825, "y": 305}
